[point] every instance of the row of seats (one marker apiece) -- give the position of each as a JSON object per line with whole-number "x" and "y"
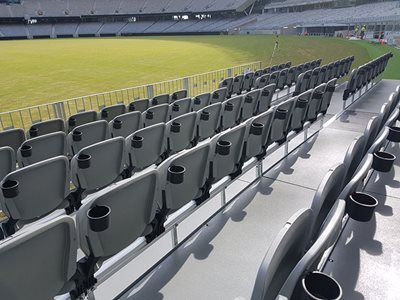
{"x": 141, "y": 202}
{"x": 363, "y": 75}
{"x": 298, "y": 248}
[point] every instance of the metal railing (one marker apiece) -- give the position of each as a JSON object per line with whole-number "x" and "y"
{"x": 194, "y": 84}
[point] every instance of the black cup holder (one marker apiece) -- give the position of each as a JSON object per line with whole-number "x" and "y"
{"x": 215, "y": 95}
{"x": 84, "y": 161}
{"x": 10, "y": 188}
{"x": 223, "y": 147}
{"x": 263, "y": 79}
{"x": 361, "y": 206}
{"x": 77, "y": 136}
{"x": 137, "y": 141}
{"x": 318, "y": 95}
{"x": 175, "y": 107}
{"x": 149, "y": 115}
{"x": 383, "y": 161}
{"x": 176, "y": 174}
{"x": 280, "y": 114}
{"x": 174, "y": 96}
{"x": 117, "y": 124}
{"x": 104, "y": 113}
{"x": 394, "y": 134}
{"x": 197, "y": 101}
{"x": 330, "y": 88}
{"x": 229, "y": 106}
{"x": 99, "y": 217}
{"x": 72, "y": 121}
{"x": 175, "y": 127}
{"x": 256, "y": 128}
{"x": 26, "y": 151}
{"x": 301, "y": 103}
{"x": 205, "y": 116}
{"x": 33, "y": 131}
{"x": 265, "y": 93}
{"x": 154, "y": 101}
{"x": 236, "y": 79}
{"x": 248, "y": 99}
{"x": 320, "y": 286}
{"x": 132, "y": 107}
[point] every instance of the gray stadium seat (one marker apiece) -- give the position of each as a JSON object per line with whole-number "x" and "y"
{"x": 248, "y": 81}
{"x": 237, "y": 84}
{"x": 274, "y": 77}
{"x": 219, "y": 95}
{"x": 351, "y": 84}
{"x": 231, "y": 110}
{"x": 45, "y": 182}
{"x": 45, "y": 127}
{"x": 12, "y": 138}
{"x": 299, "y": 115}
{"x": 327, "y": 97}
{"x": 302, "y": 83}
{"x": 181, "y": 132}
{"x": 315, "y": 103}
{"x": 41, "y": 148}
{"x": 139, "y": 105}
{"x": 290, "y": 78}
{"x": 262, "y": 81}
{"x": 280, "y": 123}
{"x": 314, "y": 78}
{"x": 321, "y": 75}
{"x": 110, "y": 112}
{"x": 98, "y": 165}
{"x": 7, "y": 161}
{"x": 81, "y": 118}
{"x": 227, "y": 83}
{"x": 208, "y": 121}
{"x": 281, "y": 83}
{"x": 87, "y": 134}
{"x": 299, "y": 70}
{"x": 39, "y": 264}
{"x": 178, "y": 95}
{"x": 286, "y": 250}
{"x": 265, "y": 99}
{"x": 146, "y": 146}
{"x": 180, "y": 107}
{"x": 156, "y": 114}
{"x": 354, "y": 155}
{"x": 250, "y": 103}
{"x": 371, "y": 131}
{"x": 200, "y": 101}
{"x": 124, "y": 125}
{"x": 160, "y": 99}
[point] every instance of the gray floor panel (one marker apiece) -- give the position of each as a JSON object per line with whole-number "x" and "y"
{"x": 353, "y": 120}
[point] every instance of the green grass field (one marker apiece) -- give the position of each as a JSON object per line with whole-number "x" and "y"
{"x": 41, "y": 71}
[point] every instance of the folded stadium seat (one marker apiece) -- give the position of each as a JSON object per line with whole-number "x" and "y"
{"x": 124, "y": 125}
{"x": 129, "y": 208}
{"x": 351, "y": 85}
{"x": 87, "y": 134}
{"x": 341, "y": 68}
{"x": 7, "y": 161}
{"x": 313, "y": 64}
{"x": 336, "y": 69}
{"x": 227, "y": 83}
{"x": 81, "y": 118}
{"x": 257, "y": 135}
{"x": 39, "y": 264}
{"x": 274, "y": 68}
{"x": 19, "y": 191}
{"x": 315, "y": 103}
{"x": 231, "y": 111}
{"x": 258, "y": 73}
{"x": 285, "y": 251}
{"x": 181, "y": 132}
{"x": 360, "y": 78}
{"x": 248, "y": 81}
{"x": 12, "y": 138}
{"x": 321, "y": 75}
{"x": 265, "y": 98}
{"x": 250, "y": 104}
{"x": 266, "y": 70}
{"x": 371, "y": 131}
{"x": 226, "y": 153}
{"x": 45, "y": 127}
{"x": 237, "y": 85}
{"x": 273, "y": 78}
{"x": 97, "y": 166}
{"x": 300, "y": 111}
{"x": 327, "y": 97}
{"x": 384, "y": 112}
{"x": 261, "y": 81}
{"x": 110, "y": 112}
{"x": 281, "y": 121}
{"x": 180, "y": 107}
{"x": 290, "y": 78}
{"x": 314, "y": 78}
{"x": 146, "y": 147}
{"x": 328, "y": 74}
{"x": 178, "y": 95}
{"x": 353, "y": 157}
{"x": 281, "y": 83}
{"x": 299, "y": 70}
{"x": 208, "y": 121}
{"x": 307, "y": 67}
{"x": 139, "y": 105}
{"x": 348, "y": 65}
{"x": 184, "y": 176}
{"x": 281, "y": 67}
{"x": 319, "y": 60}
{"x": 219, "y": 95}
{"x": 41, "y": 148}
{"x": 302, "y": 83}
{"x": 160, "y": 99}
{"x": 288, "y": 64}
{"x": 201, "y": 101}
{"x": 156, "y": 114}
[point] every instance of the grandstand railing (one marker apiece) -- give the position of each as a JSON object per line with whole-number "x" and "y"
{"x": 195, "y": 84}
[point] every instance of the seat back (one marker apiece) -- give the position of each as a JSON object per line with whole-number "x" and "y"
{"x": 12, "y": 138}
{"x": 81, "y": 118}
{"x": 42, "y": 188}
{"x": 146, "y": 146}
{"x": 160, "y": 99}
{"x": 237, "y": 84}
{"x": 250, "y": 104}
{"x": 248, "y": 81}
{"x": 354, "y": 155}
{"x": 290, "y": 78}
{"x": 87, "y": 134}
{"x": 208, "y": 121}
{"x": 265, "y": 98}
{"x": 7, "y": 161}
{"x": 262, "y": 81}
{"x": 302, "y": 102}
{"x": 219, "y": 95}
{"x": 315, "y": 102}
{"x": 132, "y": 204}
{"x": 110, "y": 112}
{"x": 282, "y": 79}
{"x": 178, "y": 95}
{"x": 231, "y": 110}
{"x": 314, "y": 78}
{"x": 227, "y": 83}
{"x": 371, "y": 131}
{"x": 41, "y": 148}
{"x": 156, "y": 114}
{"x": 321, "y": 75}
{"x": 181, "y": 132}
{"x": 280, "y": 123}
{"x": 39, "y": 264}
{"x": 139, "y": 105}
{"x": 274, "y": 77}
{"x": 45, "y": 127}
{"x": 180, "y": 107}
{"x": 327, "y": 96}
{"x": 124, "y": 125}
{"x": 201, "y": 101}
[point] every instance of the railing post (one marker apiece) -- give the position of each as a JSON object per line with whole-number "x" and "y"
{"x": 150, "y": 91}
{"x": 229, "y": 72}
{"x": 59, "y": 110}
{"x": 186, "y": 84}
